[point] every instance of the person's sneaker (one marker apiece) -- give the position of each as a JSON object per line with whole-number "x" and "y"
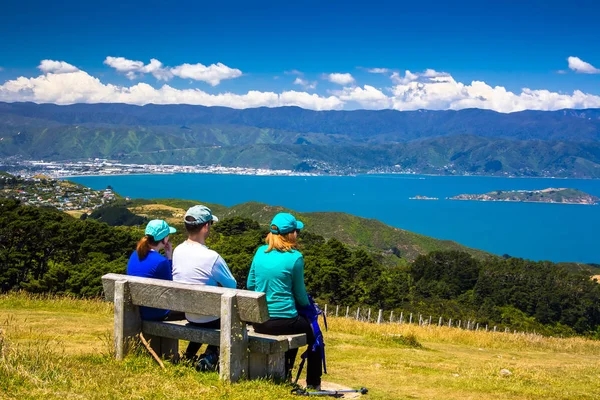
{"x": 313, "y": 387}
{"x": 208, "y": 362}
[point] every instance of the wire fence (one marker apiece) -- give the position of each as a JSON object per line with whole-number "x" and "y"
{"x": 364, "y": 314}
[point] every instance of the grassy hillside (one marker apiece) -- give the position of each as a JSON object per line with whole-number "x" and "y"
{"x": 369, "y": 233}
{"x": 59, "y": 348}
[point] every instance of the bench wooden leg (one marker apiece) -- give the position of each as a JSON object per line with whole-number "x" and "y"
{"x": 127, "y": 320}
{"x": 267, "y": 365}
{"x": 233, "y": 361}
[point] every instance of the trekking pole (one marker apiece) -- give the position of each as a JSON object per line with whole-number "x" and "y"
{"x": 331, "y": 393}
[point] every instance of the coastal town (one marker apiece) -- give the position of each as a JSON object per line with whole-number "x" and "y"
{"x": 98, "y": 166}
{"x": 43, "y": 191}
{"x": 101, "y": 166}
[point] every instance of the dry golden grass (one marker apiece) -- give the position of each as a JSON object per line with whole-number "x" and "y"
{"x": 170, "y": 214}
{"x": 60, "y": 348}
{"x": 76, "y": 213}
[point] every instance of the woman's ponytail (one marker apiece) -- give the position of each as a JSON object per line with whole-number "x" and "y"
{"x": 144, "y": 246}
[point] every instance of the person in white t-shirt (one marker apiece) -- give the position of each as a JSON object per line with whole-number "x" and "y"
{"x": 193, "y": 262}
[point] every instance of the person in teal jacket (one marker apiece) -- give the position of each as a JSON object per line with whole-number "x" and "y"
{"x": 278, "y": 270}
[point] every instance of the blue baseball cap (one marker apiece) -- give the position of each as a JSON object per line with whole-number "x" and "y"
{"x": 284, "y": 223}
{"x": 159, "y": 229}
{"x": 201, "y": 215}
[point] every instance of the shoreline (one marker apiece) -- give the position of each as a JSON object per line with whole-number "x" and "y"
{"x": 300, "y": 174}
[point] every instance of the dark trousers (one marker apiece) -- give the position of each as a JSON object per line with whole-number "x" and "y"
{"x": 193, "y": 347}
{"x": 174, "y": 316}
{"x": 286, "y": 326}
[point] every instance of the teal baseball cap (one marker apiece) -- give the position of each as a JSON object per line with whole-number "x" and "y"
{"x": 159, "y": 229}
{"x": 284, "y": 223}
{"x": 201, "y": 215}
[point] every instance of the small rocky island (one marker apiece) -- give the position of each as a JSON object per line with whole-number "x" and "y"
{"x": 549, "y": 195}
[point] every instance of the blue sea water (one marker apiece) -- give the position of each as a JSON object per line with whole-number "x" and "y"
{"x": 537, "y": 231}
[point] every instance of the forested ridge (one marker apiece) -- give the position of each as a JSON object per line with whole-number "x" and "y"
{"x": 564, "y": 143}
{"x": 43, "y": 250}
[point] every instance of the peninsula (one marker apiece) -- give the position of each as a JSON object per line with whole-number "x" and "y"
{"x": 549, "y": 195}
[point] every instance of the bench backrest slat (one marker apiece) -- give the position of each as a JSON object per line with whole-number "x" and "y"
{"x": 200, "y": 299}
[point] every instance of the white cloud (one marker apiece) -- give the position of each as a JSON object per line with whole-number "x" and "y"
{"x": 578, "y": 65}
{"x": 340, "y": 79}
{"x": 429, "y": 89}
{"x": 80, "y": 87}
{"x": 427, "y": 76}
{"x": 122, "y": 64}
{"x": 368, "y": 97}
{"x": 378, "y": 70}
{"x": 439, "y": 91}
{"x": 135, "y": 69}
{"x": 293, "y": 72}
{"x": 156, "y": 69}
{"x": 56, "y": 67}
{"x": 306, "y": 84}
{"x": 213, "y": 74}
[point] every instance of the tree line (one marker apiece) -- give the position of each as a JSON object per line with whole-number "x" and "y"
{"x": 43, "y": 250}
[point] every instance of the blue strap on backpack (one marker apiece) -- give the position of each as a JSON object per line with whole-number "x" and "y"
{"x": 311, "y": 312}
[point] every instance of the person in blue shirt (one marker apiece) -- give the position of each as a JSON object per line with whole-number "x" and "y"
{"x": 147, "y": 262}
{"x": 278, "y": 270}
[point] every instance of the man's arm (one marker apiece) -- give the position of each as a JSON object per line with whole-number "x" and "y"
{"x": 222, "y": 274}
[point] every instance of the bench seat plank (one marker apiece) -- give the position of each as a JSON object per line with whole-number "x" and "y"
{"x": 257, "y": 342}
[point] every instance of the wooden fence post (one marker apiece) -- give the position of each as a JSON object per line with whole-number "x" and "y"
{"x": 380, "y": 316}
{"x": 392, "y": 316}
{"x": 410, "y": 321}
{"x": 347, "y": 311}
{"x": 401, "y": 316}
{"x": 450, "y": 323}
{"x": 357, "y": 313}
{"x": 429, "y": 323}
{"x": 337, "y": 308}
{"x": 369, "y": 316}
{"x": 440, "y": 323}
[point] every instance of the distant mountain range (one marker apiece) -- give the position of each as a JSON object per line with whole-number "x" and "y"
{"x": 563, "y": 143}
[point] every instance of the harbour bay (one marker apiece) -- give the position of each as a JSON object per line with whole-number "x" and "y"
{"x": 538, "y": 231}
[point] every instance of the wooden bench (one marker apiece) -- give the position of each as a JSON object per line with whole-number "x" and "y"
{"x": 243, "y": 352}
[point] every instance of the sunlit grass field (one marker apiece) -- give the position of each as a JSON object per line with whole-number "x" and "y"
{"x": 60, "y": 348}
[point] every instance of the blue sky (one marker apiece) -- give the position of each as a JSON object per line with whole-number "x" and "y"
{"x": 265, "y": 47}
